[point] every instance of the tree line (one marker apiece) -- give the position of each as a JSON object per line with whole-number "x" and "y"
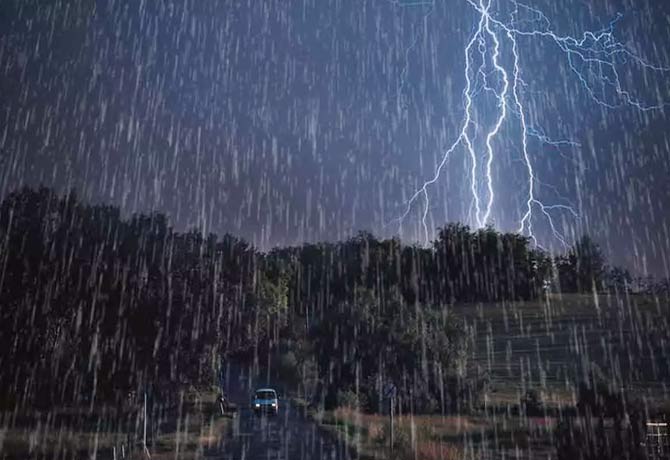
{"x": 93, "y": 304}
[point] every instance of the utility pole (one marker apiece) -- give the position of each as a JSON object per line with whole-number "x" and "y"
{"x": 390, "y": 393}
{"x": 146, "y": 449}
{"x": 391, "y": 415}
{"x": 145, "y": 420}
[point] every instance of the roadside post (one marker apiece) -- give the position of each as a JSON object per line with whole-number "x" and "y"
{"x": 390, "y": 393}
{"x": 657, "y": 443}
{"x": 144, "y": 436}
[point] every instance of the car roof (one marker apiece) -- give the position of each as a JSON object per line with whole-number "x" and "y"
{"x": 265, "y": 389}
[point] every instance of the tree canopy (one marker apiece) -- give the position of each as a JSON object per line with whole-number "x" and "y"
{"x": 101, "y": 303}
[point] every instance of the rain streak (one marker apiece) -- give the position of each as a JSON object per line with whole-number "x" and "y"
{"x": 335, "y": 229}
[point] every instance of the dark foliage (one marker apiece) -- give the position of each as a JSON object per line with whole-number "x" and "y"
{"x": 94, "y": 305}
{"x": 582, "y": 269}
{"x": 611, "y": 424}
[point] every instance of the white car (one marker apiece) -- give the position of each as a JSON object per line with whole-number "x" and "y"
{"x": 265, "y": 401}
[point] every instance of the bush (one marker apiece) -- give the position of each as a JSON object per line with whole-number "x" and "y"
{"x": 426, "y": 403}
{"x": 349, "y": 398}
{"x": 402, "y": 441}
{"x": 431, "y": 450}
{"x": 593, "y": 441}
{"x": 288, "y": 369}
{"x": 531, "y": 403}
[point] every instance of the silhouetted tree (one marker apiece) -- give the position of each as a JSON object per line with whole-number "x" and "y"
{"x": 582, "y": 269}
{"x": 94, "y": 305}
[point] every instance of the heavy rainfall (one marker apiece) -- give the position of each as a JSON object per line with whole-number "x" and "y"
{"x": 334, "y": 229}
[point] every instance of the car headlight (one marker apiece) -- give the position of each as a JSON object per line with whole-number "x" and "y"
{"x": 258, "y": 405}
{"x": 274, "y": 404}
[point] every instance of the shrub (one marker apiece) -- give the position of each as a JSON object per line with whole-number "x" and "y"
{"x": 433, "y": 450}
{"x": 349, "y": 398}
{"x": 288, "y": 369}
{"x": 531, "y": 403}
{"x": 593, "y": 441}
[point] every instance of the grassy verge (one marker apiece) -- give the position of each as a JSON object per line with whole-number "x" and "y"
{"x": 69, "y": 432}
{"x": 433, "y": 437}
{"x": 423, "y": 437}
{"x": 199, "y": 429}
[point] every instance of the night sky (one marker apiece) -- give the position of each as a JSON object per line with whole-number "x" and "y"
{"x": 284, "y": 121}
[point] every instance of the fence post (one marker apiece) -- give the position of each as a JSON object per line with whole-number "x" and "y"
{"x": 146, "y": 449}
{"x": 391, "y": 415}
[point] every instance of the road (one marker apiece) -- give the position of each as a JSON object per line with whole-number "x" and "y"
{"x": 288, "y": 436}
{"x": 291, "y": 435}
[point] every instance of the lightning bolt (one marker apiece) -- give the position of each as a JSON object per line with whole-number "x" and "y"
{"x": 593, "y": 58}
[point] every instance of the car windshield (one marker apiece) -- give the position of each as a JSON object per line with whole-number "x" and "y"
{"x": 265, "y": 394}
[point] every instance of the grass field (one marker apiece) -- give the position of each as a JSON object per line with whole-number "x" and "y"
{"x": 551, "y": 345}
{"x": 547, "y": 346}
{"x": 435, "y": 437}
{"x": 106, "y": 434}
{"x": 424, "y": 435}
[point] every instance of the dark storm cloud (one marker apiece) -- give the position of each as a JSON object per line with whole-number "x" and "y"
{"x": 285, "y": 121}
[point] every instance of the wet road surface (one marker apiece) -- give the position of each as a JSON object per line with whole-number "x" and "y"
{"x": 288, "y": 436}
